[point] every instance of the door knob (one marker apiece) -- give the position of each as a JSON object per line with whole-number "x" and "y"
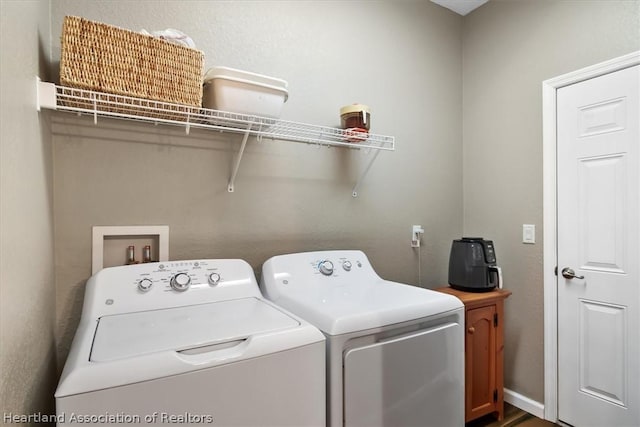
{"x": 568, "y": 273}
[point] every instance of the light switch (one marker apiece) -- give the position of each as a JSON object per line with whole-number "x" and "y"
{"x": 528, "y": 233}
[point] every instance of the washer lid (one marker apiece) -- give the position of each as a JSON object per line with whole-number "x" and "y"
{"x": 183, "y": 328}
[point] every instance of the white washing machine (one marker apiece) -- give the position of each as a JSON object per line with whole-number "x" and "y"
{"x": 395, "y": 352}
{"x": 194, "y": 343}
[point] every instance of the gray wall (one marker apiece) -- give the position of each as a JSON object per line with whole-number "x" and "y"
{"x": 27, "y": 292}
{"x": 509, "y": 48}
{"x": 405, "y": 63}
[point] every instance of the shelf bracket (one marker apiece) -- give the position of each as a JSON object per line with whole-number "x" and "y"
{"x": 364, "y": 173}
{"x": 236, "y": 166}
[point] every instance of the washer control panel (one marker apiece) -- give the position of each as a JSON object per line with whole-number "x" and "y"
{"x": 172, "y": 283}
{"x": 178, "y": 276}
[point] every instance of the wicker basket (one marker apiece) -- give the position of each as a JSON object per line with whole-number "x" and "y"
{"x": 105, "y": 58}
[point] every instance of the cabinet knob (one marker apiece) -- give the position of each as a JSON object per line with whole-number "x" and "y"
{"x": 471, "y": 329}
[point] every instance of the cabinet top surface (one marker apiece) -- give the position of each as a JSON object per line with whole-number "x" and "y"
{"x": 470, "y": 297}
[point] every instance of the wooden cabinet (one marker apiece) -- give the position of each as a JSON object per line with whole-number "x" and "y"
{"x": 484, "y": 351}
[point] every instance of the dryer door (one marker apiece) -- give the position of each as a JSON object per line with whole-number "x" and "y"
{"x": 415, "y": 379}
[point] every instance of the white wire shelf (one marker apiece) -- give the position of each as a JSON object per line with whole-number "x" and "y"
{"x": 99, "y": 104}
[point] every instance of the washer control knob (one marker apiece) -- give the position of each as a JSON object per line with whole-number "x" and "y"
{"x": 346, "y": 265}
{"x": 326, "y": 267}
{"x": 180, "y": 282}
{"x": 144, "y": 285}
{"x": 214, "y": 278}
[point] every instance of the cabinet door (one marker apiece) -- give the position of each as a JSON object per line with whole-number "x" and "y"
{"x": 480, "y": 346}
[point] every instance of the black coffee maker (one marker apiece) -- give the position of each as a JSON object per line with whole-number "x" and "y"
{"x": 472, "y": 265}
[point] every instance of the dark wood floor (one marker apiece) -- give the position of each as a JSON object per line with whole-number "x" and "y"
{"x": 512, "y": 417}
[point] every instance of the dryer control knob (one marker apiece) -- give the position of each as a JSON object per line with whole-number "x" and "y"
{"x": 145, "y": 284}
{"x": 346, "y": 265}
{"x": 326, "y": 267}
{"x": 180, "y": 282}
{"x": 214, "y": 278}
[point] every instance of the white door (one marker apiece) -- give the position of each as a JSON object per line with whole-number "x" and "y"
{"x": 598, "y": 234}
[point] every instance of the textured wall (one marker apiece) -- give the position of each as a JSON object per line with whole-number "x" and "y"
{"x": 401, "y": 58}
{"x": 509, "y": 48}
{"x": 27, "y": 351}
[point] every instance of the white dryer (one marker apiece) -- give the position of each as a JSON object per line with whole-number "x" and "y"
{"x": 395, "y": 352}
{"x": 190, "y": 342}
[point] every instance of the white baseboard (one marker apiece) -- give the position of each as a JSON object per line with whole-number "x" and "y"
{"x": 523, "y": 402}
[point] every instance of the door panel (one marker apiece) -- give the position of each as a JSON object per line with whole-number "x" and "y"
{"x": 481, "y": 361}
{"x": 603, "y": 117}
{"x": 602, "y": 330}
{"x": 602, "y": 200}
{"x": 598, "y": 234}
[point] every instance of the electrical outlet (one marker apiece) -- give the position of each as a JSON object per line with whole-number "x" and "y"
{"x": 416, "y": 232}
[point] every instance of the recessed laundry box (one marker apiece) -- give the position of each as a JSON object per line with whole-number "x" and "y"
{"x": 194, "y": 343}
{"x": 244, "y": 92}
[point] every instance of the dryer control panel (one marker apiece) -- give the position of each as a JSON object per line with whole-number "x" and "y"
{"x": 330, "y": 264}
{"x": 316, "y": 273}
{"x": 169, "y": 284}
{"x": 336, "y": 264}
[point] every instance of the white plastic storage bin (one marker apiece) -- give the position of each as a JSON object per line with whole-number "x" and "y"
{"x": 237, "y": 91}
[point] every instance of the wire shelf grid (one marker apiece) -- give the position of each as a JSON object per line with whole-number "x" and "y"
{"x": 99, "y": 104}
